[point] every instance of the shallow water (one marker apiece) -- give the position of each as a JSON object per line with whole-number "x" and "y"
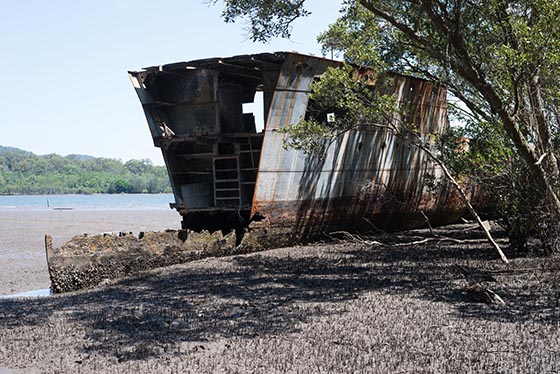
{"x": 87, "y": 202}
{"x": 34, "y": 293}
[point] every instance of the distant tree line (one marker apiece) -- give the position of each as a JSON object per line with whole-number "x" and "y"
{"x": 23, "y": 172}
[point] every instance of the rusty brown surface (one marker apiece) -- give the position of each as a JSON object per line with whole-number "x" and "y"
{"x": 86, "y": 261}
{"x": 368, "y": 178}
{"x": 194, "y": 110}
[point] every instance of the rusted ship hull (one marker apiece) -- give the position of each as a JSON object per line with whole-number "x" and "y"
{"x": 86, "y": 261}
{"x": 226, "y": 174}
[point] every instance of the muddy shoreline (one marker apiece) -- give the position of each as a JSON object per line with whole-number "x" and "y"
{"x": 23, "y": 265}
{"x": 323, "y": 308}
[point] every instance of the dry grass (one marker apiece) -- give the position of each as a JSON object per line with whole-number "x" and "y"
{"x": 315, "y": 309}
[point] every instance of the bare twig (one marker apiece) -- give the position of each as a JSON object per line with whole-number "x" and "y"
{"x": 372, "y": 225}
{"x": 427, "y": 221}
{"x": 541, "y": 159}
{"x": 355, "y": 238}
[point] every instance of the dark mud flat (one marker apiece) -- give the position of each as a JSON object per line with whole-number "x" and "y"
{"x": 336, "y": 308}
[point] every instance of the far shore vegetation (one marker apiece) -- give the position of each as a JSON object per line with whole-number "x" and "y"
{"x": 23, "y": 172}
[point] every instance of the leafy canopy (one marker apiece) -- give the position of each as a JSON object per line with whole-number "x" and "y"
{"x": 266, "y": 19}
{"x": 26, "y": 173}
{"x": 499, "y": 60}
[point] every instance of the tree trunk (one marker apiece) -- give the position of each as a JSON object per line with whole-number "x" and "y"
{"x": 457, "y": 56}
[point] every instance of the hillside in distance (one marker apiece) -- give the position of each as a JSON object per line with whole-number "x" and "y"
{"x": 4, "y": 149}
{"x": 23, "y": 172}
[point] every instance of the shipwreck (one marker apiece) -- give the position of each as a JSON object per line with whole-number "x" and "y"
{"x": 227, "y": 174}
{"x": 230, "y": 171}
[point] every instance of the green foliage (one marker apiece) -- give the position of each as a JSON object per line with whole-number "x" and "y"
{"x": 499, "y": 58}
{"x": 25, "y": 173}
{"x": 308, "y": 136}
{"x": 488, "y": 158}
{"x": 266, "y": 19}
{"x": 354, "y": 34}
{"x": 352, "y": 98}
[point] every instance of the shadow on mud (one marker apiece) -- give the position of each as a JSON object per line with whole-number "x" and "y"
{"x": 270, "y": 293}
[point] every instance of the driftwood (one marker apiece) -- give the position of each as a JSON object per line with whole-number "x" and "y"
{"x": 467, "y": 202}
{"x": 477, "y": 290}
{"x": 484, "y": 294}
{"x": 474, "y": 288}
{"x": 356, "y": 238}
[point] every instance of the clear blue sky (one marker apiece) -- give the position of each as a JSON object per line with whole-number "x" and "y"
{"x": 64, "y": 64}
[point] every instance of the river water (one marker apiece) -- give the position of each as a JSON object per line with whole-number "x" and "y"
{"x": 87, "y": 202}
{"x": 29, "y": 294}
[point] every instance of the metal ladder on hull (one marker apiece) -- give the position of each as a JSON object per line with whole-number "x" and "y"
{"x": 227, "y": 184}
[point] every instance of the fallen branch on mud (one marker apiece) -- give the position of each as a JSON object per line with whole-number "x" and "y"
{"x": 467, "y": 202}
{"x": 356, "y": 238}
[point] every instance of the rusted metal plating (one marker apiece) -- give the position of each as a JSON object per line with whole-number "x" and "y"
{"x": 226, "y": 173}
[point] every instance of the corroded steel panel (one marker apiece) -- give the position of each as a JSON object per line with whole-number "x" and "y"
{"x": 366, "y": 177}
{"x": 289, "y": 105}
{"x": 368, "y": 174}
